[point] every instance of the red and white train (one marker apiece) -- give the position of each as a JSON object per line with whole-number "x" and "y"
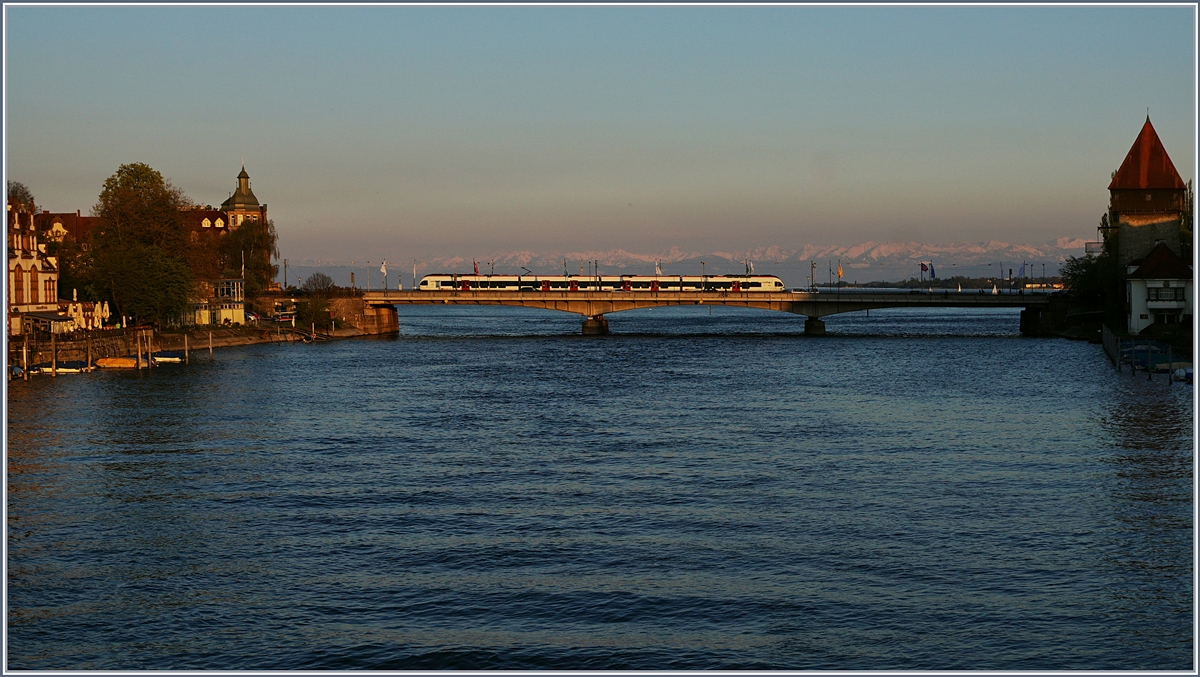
{"x": 631, "y": 283}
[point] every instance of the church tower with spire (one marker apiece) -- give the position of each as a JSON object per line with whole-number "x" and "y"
{"x": 1147, "y": 199}
{"x": 242, "y": 205}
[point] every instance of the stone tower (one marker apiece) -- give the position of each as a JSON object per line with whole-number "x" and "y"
{"x": 1147, "y": 199}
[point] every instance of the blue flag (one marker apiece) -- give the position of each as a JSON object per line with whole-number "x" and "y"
{"x": 932, "y": 272}
{"x": 1021, "y": 273}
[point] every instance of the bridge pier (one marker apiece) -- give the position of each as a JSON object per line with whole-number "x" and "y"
{"x": 814, "y": 326}
{"x": 1031, "y": 322}
{"x": 380, "y": 320}
{"x": 595, "y": 325}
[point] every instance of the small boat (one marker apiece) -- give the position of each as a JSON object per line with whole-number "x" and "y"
{"x": 1183, "y": 374}
{"x": 63, "y": 367}
{"x": 120, "y": 362}
{"x": 167, "y": 357}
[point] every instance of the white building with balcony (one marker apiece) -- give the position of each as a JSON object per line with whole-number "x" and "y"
{"x": 1158, "y": 290}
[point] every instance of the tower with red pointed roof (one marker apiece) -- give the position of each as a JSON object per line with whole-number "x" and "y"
{"x": 1147, "y": 199}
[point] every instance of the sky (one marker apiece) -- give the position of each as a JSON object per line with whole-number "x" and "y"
{"x": 404, "y": 131}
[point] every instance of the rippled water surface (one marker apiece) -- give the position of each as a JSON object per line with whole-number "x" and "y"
{"x": 490, "y": 490}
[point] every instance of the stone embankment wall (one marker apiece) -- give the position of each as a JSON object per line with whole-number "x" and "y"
{"x": 354, "y": 312}
{"x": 354, "y": 318}
{"x": 122, "y": 342}
{"x": 74, "y": 346}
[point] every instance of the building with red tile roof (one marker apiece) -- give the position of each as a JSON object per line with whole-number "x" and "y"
{"x": 1147, "y": 199}
{"x": 60, "y": 225}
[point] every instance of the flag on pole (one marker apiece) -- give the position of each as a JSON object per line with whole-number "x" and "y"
{"x": 383, "y": 268}
{"x": 932, "y": 274}
{"x": 924, "y": 268}
{"x": 839, "y": 270}
{"x": 476, "y": 264}
{"x": 751, "y": 267}
{"x": 657, "y": 267}
{"x": 1021, "y": 273}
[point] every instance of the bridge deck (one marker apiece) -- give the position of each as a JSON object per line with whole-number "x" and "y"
{"x": 811, "y": 304}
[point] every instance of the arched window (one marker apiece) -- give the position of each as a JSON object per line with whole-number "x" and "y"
{"x": 206, "y": 223}
{"x": 33, "y": 285}
{"x": 18, "y": 286}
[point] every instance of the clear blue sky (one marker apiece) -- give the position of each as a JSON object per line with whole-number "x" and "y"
{"x": 407, "y": 131}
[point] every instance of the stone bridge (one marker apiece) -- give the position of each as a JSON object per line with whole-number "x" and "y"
{"x": 594, "y": 305}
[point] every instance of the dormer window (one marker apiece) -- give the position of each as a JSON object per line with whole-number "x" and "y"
{"x": 220, "y": 223}
{"x": 206, "y": 223}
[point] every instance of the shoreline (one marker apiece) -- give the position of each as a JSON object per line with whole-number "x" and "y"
{"x": 95, "y": 345}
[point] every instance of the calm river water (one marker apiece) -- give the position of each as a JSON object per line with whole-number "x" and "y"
{"x": 917, "y": 490}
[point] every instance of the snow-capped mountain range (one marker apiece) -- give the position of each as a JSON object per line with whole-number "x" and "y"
{"x": 865, "y": 262}
{"x": 862, "y": 255}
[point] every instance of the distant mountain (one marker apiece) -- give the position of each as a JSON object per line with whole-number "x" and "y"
{"x": 891, "y": 258}
{"x": 865, "y": 262}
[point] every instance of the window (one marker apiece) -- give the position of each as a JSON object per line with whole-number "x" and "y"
{"x": 33, "y": 285}
{"x": 18, "y": 285}
{"x": 206, "y": 223}
{"x": 220, "y": 223}
{"x": 1165, "y": 294}
{"x": 49, "y": 292}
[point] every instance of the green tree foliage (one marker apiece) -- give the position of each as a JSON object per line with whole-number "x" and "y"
{"x": 140, "y": 247}
{"x": 1091, "y": 278}
{"x": 314, "y": 308}
{"x": 254, "y": 243}
{"x": 138, "y": 206}
{"x": 74, "y": 267}
{"x": 142, "y": 282}
{"x": 1186, "y": 235}
{"x": 21, "y": 193}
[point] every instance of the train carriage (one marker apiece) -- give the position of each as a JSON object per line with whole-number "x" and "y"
{"x": 614, "y": 283}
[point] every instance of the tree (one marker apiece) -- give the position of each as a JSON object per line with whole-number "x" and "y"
{"x": 140, "y": 246}
{"x": 21, "y": 193}
{"x": 314, "y": 309}
{"x": 1093, "y": 279}
{"x": 318, "y": 283}
{"x": 254, "y": 244}
{"x": 142, "y": 283}
{"x": 139, "y": 206}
